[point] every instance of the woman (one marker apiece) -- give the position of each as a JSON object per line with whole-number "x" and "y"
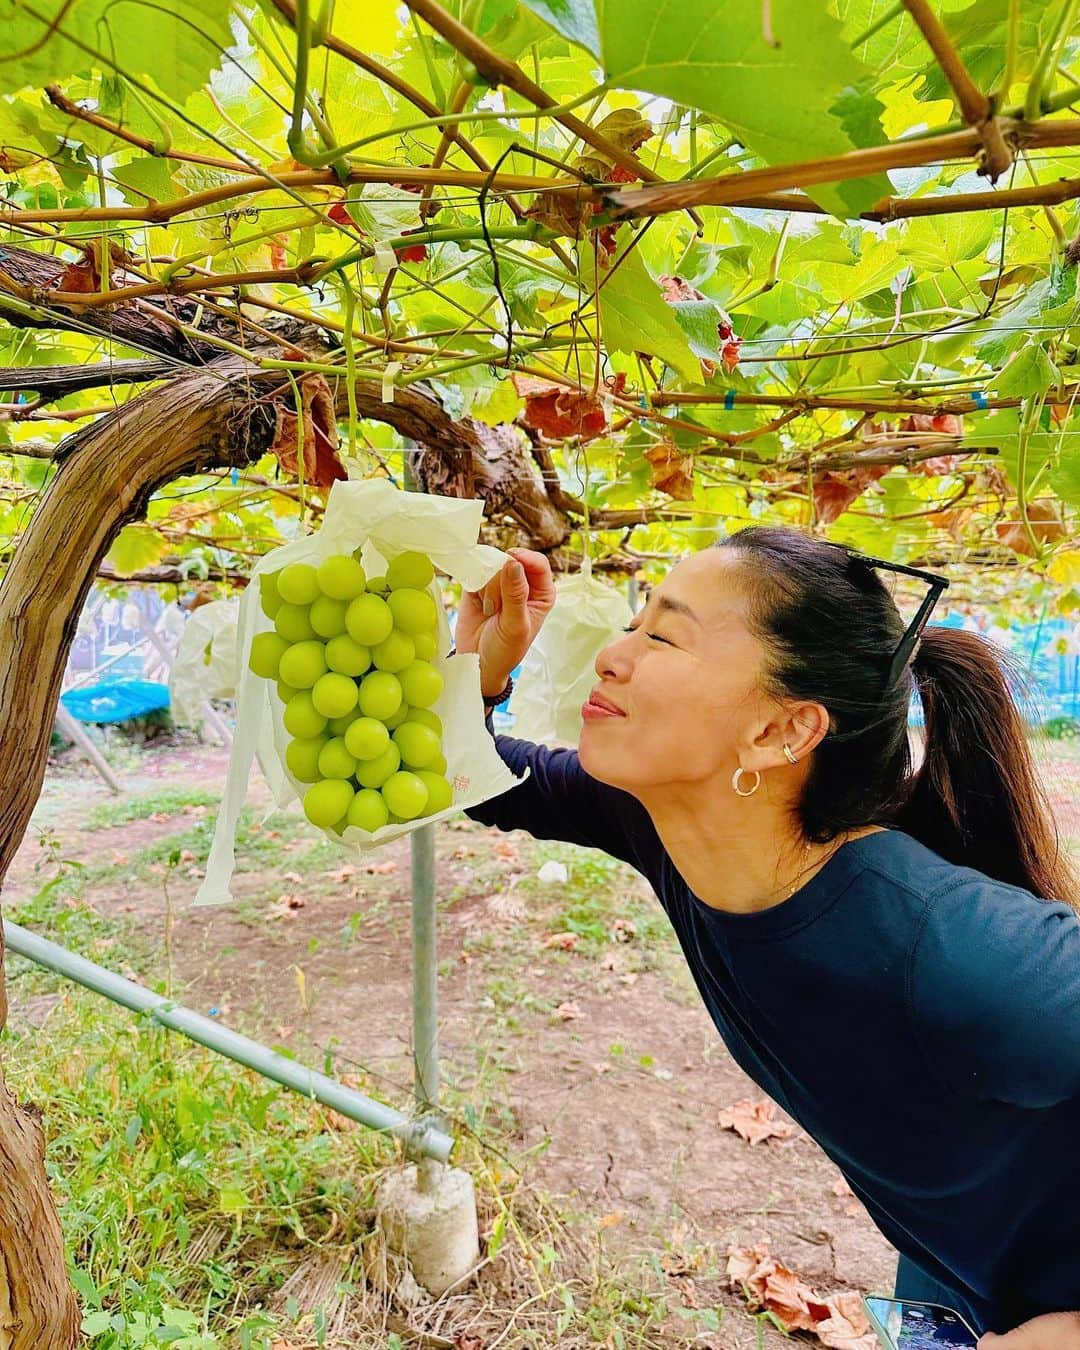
{"x": 843, "y": 915}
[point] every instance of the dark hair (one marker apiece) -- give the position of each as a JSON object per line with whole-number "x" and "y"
{"x": 831, "y": 628}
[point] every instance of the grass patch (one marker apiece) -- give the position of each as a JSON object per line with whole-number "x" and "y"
{"x": 165, "y": 801}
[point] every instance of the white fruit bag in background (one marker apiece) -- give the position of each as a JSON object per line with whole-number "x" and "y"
{"x": 205, "y": 663}
{"x": 557, "y": 672}
{"x": 386, "y": 522}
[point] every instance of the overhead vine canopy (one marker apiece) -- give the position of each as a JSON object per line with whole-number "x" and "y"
{"x": 632, "y": 272}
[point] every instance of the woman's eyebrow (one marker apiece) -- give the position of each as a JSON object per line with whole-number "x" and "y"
{"x": 677, "y": 607}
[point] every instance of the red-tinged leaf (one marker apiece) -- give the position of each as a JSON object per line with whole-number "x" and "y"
{"x": 278, "y": 256}
{"x": 339, "y": 214}
{"x": 949, "y": 424}
{"x": 1046, "y": 526}
{"x": 939, "y": 464}
{"x": 675, "y": 288}
{"x": 672, "y": 471}
{"x": 605, "y": 237}
{"x": 411, "y": 253}
{"x": 81, "y": 276}
{"x": 319, "y": 435}
{"x": 729, "y": 354}
{"x": 753, "y": 1120}
{"x": 1059, "y": 413}
{"x": 836, "y": 489}
{"x": 619, "y": 174}
{"x": 557, "y": 411}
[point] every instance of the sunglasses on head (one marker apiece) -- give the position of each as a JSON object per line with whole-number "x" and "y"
{"x": 914, "y": 630}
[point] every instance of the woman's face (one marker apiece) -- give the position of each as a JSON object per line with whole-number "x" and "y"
{"x": 684, "y": 680}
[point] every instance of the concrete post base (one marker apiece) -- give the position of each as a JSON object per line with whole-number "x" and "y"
{"x": 428, "y": 1228}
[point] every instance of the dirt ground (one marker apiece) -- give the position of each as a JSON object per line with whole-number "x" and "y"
{"x": 601, "y": 1067}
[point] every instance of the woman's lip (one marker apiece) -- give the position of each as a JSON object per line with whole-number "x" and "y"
{"x": 591, "y": 711}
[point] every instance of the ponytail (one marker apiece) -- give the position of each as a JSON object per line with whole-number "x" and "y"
{"x": 976, "y": 799}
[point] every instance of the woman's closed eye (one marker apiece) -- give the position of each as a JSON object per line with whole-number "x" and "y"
{"x": 655, "y": 637}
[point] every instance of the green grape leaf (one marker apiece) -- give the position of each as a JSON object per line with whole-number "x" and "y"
{"x": 136, "y": 547}
{"x": 716, "y": 58}
{"x": 1029, "y": 373}
{"x": 574, "y": 19}
{"x": 634, "y": 317}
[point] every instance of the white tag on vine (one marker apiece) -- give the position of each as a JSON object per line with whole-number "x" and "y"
{"x": 385, "y": 259}
{"x": 390, "y": 374}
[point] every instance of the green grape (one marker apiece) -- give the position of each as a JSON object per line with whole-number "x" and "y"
{"x": 421, "y": 684}
{"x": 380, "y": 695}
{"x": 367, "y": 738}
{"x": 373, "y": 773}
{"x": 298, "y": 584}
{"x": 378, "y": 585}
{"x": 426, "y": 646}
{"x": 437, "y": 765}
{"x": 440, "y": 793}
{"x": 405, "y": 795}
{"x": 340, "y": 826}
{"x": 396, "y": 820}
{"x": 284, "y": 691}
{"x": 303, "y": 664}
{"x": 301, "y": 717}
{"x": 368, "y": 810}
{"x": 418, "y": 745}
{"x": 294, "y": 623}
{"x": 338, "y": 726}
{"x": 413, "y": 611}
{"x": 325, "y": 803}
{"x": 334, "y": 695}
{"x": 410, "y": 569}
{"x": 345, "y": 655}
{"x": 327, "y": 616}
{"x": 394, "y": 653}
{"x": 302, "y": 758}
{"x": 369, "y": 620}
{"x": 335, "y": 760}
{"x": 269, "y": 598}
{"x": 426, "y": 718}
{"x": 267, "y": 650}
{"x": 341, "y": 577}
{"x": 396, "y": 719}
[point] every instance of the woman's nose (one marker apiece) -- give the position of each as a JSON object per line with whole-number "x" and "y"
{"x": 614, "y": 660}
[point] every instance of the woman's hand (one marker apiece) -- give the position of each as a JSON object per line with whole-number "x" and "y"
{"x": 1051, "y": 1331}
{"x": 501, "y": 620}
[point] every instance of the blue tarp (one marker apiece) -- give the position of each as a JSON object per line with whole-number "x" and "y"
{"x": 116, "y": 700}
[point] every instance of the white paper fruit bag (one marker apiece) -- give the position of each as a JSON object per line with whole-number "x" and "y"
{"x": 557, "y": 672}
{"x": 205, "y": 663}
{"x": 349, "y": 640}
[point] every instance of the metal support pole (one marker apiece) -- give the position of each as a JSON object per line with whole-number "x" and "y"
{"x": 420, "y": 1137}
{"x": 632, "y": 593}
{"x": 72, "y": 727}
{"x": 425, "y": 959}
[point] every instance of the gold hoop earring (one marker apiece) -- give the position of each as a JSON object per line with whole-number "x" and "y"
{"x": 735, "y": 782}
{"x": 790, "y": 757}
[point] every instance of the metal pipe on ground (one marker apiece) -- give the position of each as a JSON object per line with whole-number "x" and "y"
{"x": 420, "y": 1137}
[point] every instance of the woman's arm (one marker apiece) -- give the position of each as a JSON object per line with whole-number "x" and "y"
{"x": 558, "y": 800}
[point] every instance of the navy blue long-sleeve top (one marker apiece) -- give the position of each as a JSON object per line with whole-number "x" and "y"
{"x": 920, "y": 1021}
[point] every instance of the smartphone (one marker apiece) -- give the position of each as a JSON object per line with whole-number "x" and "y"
{"x": 903, "y": 1324}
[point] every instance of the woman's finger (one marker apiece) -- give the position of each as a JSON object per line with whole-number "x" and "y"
{"x": 538, "y": 575}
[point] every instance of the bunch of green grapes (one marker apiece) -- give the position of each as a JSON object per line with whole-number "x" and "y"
{"x": 352, "y": 659}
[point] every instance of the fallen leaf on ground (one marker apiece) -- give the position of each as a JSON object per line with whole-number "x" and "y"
{"x": 568, "y": 1012}
{"x": 623, "y": 930}
{"x": 753, "y": 1120}
{"x": 383, "y": 869}
{"x": 564, "y": 942}
{"x": 836, "y": 1319}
